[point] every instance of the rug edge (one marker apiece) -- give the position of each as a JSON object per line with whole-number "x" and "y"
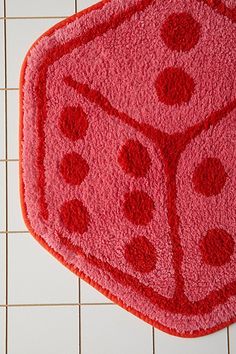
{"x": 40, "y": 240}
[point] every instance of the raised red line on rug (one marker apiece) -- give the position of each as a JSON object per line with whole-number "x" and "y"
{"x": 174, "y": 304}
{"x": 41, "y": 90}
{"x": 171, "y": 147}
{"x": 58, "y": 51}
{"x": 53, "y": 55}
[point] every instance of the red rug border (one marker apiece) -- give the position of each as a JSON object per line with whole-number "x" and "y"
{"x": 220, "y": 8}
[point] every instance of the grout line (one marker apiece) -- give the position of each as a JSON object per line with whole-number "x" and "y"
{"x": 14, "y": 232}
{"x": 153, "y": 341}
{"x": 31, "y": 17}
{"x": 228, "y": 340}
{"x": 6, "y": 170}
{"x": 59, "y": 305}
{"x": 9, "y": 160}
{"x": 9, "y": 89}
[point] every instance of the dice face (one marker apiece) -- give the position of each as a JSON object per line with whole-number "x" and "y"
{"x": 128, "y": 172}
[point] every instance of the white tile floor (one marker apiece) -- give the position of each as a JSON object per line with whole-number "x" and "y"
{"x": 12, "y": 124}
{"x": 109, "y": 329}
{"x": 83, "y": 4}
{"x": 2, "y": 330}
{"x": 1, "y": 9}
{"x": 37, "y": 330}
{"x": 21, "y": 33}
{"x": 232, "y": 336}
{"x": 40, "y": 8}
{"x": 2, "y": 196}
{"x": 2, "y": 269}
{"x": 43, "y": 314}
{"x": 90, "y": 295}
{"x": 2, "y": 123}
{"x": 15, "y": 220}
{"x": 1, "y": 53}
{"x": 216, "y": 343}
{"x": 37, "y": 278}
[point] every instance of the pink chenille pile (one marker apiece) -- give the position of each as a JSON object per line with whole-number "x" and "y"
{"x": 128, "y": 156}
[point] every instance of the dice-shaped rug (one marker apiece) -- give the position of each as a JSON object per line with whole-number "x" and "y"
{"x": 128, "y": 156}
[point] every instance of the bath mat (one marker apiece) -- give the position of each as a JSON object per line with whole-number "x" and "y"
{"x": 128, "y": 156}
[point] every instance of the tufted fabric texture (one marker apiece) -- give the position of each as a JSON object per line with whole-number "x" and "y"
{"x": 128, "y": 156}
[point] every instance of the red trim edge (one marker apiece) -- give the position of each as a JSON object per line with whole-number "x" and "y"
{"x": 82, "y": 275}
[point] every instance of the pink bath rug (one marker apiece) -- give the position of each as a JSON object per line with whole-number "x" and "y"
{"x": 128, "y": 156}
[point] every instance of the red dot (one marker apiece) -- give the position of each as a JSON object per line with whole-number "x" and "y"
{"x": 138, "y": 207}
{"x": 174, "y": 86}
{"x": 141, "y": 254}
{"x": 217, "y": 247}
{"x": 209, "y": 177}
{"x": 73, "y": 123}
{"x": 74, "y": 216}
{"x": 180, "y": 31}
{"x": 134, "y": 158}
{"x": 73, "y": 168}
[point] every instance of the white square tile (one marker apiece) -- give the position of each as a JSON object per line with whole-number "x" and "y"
{"x": 2, "y": 269}
{"x": 40, "y": 8}
{"x": 232, "y": 338}
{"x": 2, "y": 329}
{"x": 13, "y": 124}
{"x": 36, "y": 277}
{"x": 90, "y": 295}
{"x": 38, "y": 330}
{"x": 1, "y": 8}
{"x": 215, "y": 343}
{"x": 15, "y": 218}
{"x": 108, "y": 329}
{"x": 2, "y": 196}
{"x": 21, "y": 34}
{"x": 2, "y": 66}
{"x": 83, "y": 4}
{"x": 2, "y": 125}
